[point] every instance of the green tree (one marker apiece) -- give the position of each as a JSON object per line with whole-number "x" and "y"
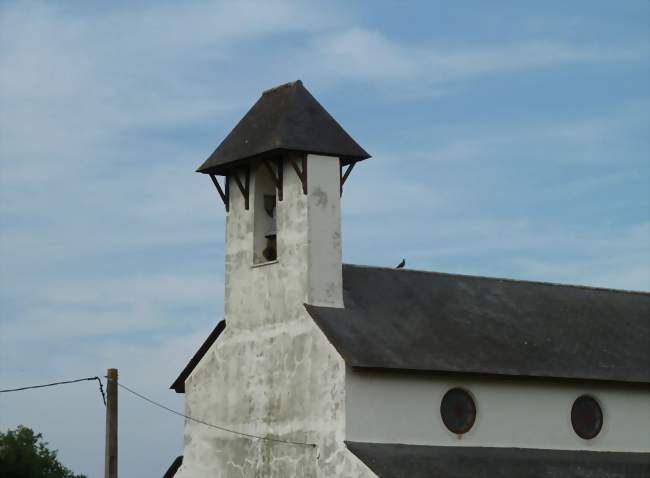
{"x": 24, "y": 454}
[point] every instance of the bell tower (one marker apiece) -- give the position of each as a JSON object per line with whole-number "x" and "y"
{"x": 272, "y": 373}
{"x": 280, "y": 174}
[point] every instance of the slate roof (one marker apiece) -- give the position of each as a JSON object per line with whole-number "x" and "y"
{"x": 418, "y": 461}
{"x": 287, "y": 117}
{"x": 428, "y": 321}
{"x": 179, "y": 384}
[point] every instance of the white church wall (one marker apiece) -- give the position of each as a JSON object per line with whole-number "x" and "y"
{"x": 325, "y": 273}
{"x": 393, "y": 407}
{"x": 272, "y": 372}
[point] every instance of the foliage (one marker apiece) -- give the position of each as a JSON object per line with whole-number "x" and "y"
{"x": 24, "y": 454}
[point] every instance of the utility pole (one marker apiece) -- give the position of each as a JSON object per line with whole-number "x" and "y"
{"x": 110, "y": 464}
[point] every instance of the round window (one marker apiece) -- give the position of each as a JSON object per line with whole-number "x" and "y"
{"x": 458, "y": 411}
{"x": 586, "y": 417}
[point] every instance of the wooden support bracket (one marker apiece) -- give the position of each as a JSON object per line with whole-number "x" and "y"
{"x": 224, "y": 193}
{"x": 277, "y": 178}
{"x": 344, "y": 176}
{"x": 301, "y": 172}
{"x": 244, "y": 188}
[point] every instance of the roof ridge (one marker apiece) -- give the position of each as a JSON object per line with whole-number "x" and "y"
{"x": 283, "y": 85}
{"x": 506, "y": 279}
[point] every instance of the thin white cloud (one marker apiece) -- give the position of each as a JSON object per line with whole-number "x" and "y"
{"x": 515, "y": 248}
{"x": 72, "y": 84}
{"x": 598, "y": 137}
{"x": 367, "y": 55}
{"x": 99, "y": 307}
{"x": 615, "y": 259}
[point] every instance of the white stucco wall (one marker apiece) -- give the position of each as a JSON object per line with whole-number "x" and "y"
{"x": 405, "y": 408}
{"x": 324, "y": 232}
{"x": 272, "y": 372}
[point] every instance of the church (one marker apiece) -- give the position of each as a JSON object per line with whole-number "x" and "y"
{"x": 322, "y": 369}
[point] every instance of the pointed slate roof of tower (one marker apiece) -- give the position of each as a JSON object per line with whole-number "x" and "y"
{"x": 287, "y": 118}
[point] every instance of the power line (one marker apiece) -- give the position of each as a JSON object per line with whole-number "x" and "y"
{"x": 101, "y": 391}
{"x": 210, "y": 424}
{"x": 65, "y": 382}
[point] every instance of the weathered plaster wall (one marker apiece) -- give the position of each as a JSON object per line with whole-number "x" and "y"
{"x": 324, "y": 232}
{"x": 405, "y": 408}
{"x": 272, "y": 372}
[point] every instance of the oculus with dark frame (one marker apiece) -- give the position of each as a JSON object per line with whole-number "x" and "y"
{"x": 458, "y": 411}
{"x": 586, "y": 417}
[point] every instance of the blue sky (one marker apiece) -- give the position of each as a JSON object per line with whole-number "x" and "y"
{"x": 508, "y": 139}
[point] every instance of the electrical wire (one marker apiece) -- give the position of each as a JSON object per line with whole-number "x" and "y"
{"x": 101, "y": 391}
{"x": 210, "y": 424}
{"x": 65, "y": 382}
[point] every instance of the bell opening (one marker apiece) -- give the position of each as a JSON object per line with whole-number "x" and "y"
{"x": 270, "y": 252}
{"x": 265, "y": 227}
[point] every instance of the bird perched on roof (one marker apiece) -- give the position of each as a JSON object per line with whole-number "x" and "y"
{"x": 401, "y": 264}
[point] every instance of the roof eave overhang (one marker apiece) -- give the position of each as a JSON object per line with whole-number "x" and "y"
{"x": 226, "y": 168}
{"x": 432, "y": 369}
{"x": 414, "y": 461}
{"x": 179, "y": 384}
{"x": 634, "y": 381}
